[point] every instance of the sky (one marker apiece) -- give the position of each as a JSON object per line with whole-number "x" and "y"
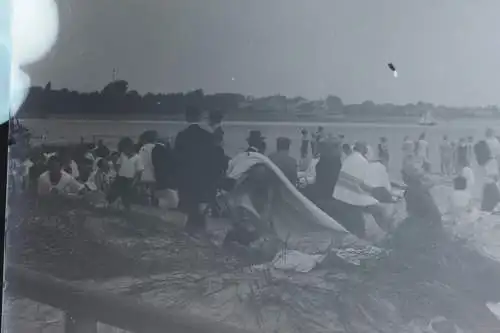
{"x": 446, "y": 51}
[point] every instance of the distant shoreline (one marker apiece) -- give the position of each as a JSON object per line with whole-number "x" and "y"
{"x": 268, "y": 119}
{"x": 239, "y": 118}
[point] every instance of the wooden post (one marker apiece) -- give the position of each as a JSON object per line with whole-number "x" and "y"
{"x": 79, "y": 324}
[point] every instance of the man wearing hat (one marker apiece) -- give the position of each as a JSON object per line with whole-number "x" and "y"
{"x": 194, "y": 151}
{"x": 256, "y": 142}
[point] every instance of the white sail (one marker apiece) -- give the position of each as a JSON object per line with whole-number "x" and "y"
{"x": 427, "y": 119}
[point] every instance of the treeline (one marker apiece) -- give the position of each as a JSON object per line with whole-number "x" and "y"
{"x": 117, "y": 99}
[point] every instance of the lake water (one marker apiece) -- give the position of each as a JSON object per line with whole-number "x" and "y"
{"x": 236, "y": 133}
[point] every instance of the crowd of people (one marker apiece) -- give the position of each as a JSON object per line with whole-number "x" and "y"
{"x": 347, "y": 181}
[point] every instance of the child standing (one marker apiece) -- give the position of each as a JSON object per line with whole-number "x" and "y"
{"x": 129, "y": 171}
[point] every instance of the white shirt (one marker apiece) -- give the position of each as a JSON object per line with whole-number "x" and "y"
{"x": 354, "y": 171}
{"x": 309, "y": 175}
{"x": 66, "y": 185}
{"x": 149, "y": 171}
{"x": 491, "y": 170}
{"x": 129, "y": 166}
{"x": 377, "y": 176}
{"x": 494, "y": 146}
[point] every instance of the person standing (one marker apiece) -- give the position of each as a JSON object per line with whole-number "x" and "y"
{"x": 101, "y": 150}
{"x": 164, "y": 172}
{"x": 194, "y": 150}
{"x": 470, "y": 149}
{"x": 422, "y": 152}
{"x": 408, "y": 147}
{"x": 383, "y": 152}
{"x": 283, "y": 160}
{"x": 148, "y": 141}
{"x": 220, "y": 160}
{"x": 215, "y": 125}
{"x": 327, "y": 170}
{"x": 493, "y": 144}
{"x": 461, "y": 154}
{"x": 317, "y": 137}
{"x": 304, "y": 144}
{"x": 129, "y": 170}
{"x": 446, "y": 154}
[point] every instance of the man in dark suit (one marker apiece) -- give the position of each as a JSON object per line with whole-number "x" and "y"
{"x": 195, "y": 176}
{"x": 284, "y": 161}
{"x": 164, "y": 169}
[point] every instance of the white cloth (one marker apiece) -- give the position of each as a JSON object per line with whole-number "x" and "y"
{"x": 468, "y": 174}
{"x": 377, "y": 176}
{"x": 309, "y": 175}
{"x": 296, "y": 261}
{"x": 494, "y": 308}
{"x": 66, "y": 185}
{"x": 353, "y": 173}
{"x": 460, "y": 203}
{"x": 242, "y": 162}
{"x": 27, "y": 165}
{"x": 129, "y": 166}
{"x": 74, "y": 169}
{"x": 145, "y": 153}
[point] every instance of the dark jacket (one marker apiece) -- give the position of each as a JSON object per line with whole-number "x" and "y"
{"x": 195, "y": 164}
{"x": 164, "y": 168}
{"x": 327, "y": 174}
{"x": 287, "y": 164}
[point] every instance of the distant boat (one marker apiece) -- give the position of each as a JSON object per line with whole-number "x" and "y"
{"x": 427, "y": 119}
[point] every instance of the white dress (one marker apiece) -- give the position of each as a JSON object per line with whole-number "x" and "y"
{"x": 148, "y": 175}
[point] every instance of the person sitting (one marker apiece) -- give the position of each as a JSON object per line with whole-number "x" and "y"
{"x": 130, "y": 168}
{"x": 57, "y": 181}
{"x": 419, "y": 201}
{"x": 69, "y": 165}
{"x": 101, "y": 177}
{"x": 282, "y": 159}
